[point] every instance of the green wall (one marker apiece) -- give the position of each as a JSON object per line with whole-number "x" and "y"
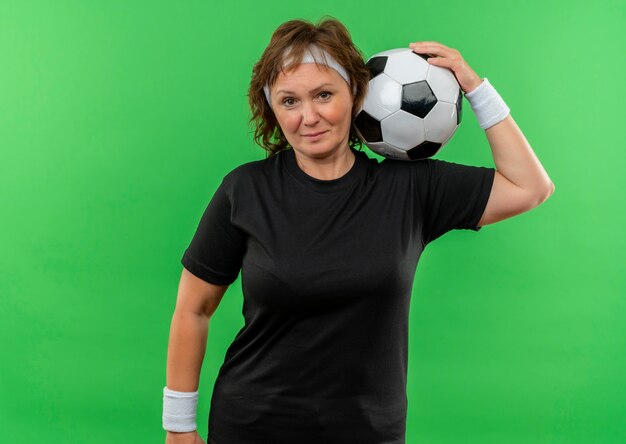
{"x": 118, "y": 120}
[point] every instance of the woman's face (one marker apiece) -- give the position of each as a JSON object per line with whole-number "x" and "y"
{"x": 313, "y": 106}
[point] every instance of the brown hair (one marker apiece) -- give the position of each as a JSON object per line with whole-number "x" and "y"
{"x": 330, "y": 35}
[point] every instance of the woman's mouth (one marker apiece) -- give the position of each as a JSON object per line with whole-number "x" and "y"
{"x": 315, "y": 136}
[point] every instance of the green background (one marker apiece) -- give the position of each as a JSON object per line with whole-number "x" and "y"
{"x": 118, "y": 120}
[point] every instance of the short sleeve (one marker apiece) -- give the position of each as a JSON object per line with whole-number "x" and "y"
{"x": 215, "y": 253}
{"x": 455, "y": 197}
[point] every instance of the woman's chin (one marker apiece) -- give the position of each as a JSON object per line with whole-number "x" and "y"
{"x": 319, "y": 149}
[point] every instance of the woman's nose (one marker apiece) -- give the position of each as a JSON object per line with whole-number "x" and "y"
{"x": 310, "y": 115}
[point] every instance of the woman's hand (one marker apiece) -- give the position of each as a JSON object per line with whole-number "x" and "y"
{"x": 441, "y": 55}
{"x": 183, "y": 438}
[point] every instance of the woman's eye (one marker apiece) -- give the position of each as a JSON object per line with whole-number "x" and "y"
{"x": 290, "y": 101}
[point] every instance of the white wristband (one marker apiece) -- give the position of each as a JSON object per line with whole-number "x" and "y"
{"x": 179, "y": 410}
{"x": 487, "y": 105}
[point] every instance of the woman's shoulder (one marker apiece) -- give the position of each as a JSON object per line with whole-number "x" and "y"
{"x": 421, "y": 166}
{"x": 250, "y": 171}
{"x": 397, "y": 166}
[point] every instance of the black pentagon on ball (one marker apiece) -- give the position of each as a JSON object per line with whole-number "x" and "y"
{"x": 376, "y": 65}
{"x": 423, "y": 150}
{"x": 459, "y": 107}
{"x": 423, "y": 56}
{"x": 418, "y": 99}
{"x": 369, "y": 127}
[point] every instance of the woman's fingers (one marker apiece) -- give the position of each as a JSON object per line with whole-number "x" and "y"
{"x": 450, "y": 58}
{"x": 430, "y": 48}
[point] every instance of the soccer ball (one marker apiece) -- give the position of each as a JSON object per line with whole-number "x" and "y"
{"x": 411, "y": 108}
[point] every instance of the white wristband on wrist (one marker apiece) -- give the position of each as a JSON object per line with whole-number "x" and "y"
{"x": 487, "y": 105}
{"x": 179, "y": 410}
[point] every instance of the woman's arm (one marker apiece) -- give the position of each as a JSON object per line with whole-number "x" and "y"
{"x": 516, "y": 160}
{"x": 187, "y": 345}
{"x": 196, "y": 302}
{"x": 185, "y": 353}
{"x": 520, "y": 182}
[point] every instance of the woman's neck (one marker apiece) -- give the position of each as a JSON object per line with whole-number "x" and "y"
{"x": 331, "y": 167}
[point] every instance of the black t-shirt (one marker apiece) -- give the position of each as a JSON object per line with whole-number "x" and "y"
{"x": 327, "y": 268}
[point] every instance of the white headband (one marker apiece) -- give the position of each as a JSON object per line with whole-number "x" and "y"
{"x": 308, "y": 58}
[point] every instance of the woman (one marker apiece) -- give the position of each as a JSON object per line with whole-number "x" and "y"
{"x": 327, "y": 241}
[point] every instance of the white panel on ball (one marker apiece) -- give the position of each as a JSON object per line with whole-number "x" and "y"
{"x": 387, "y": 150}
{"x": 386, "y": 100}
{"x": 445, "y": 142}
{"x": 443, "y": 83}
{"x": 394, "y": 129}
{"x": 440, "y": 122}
{"x": 405, "y": 67}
